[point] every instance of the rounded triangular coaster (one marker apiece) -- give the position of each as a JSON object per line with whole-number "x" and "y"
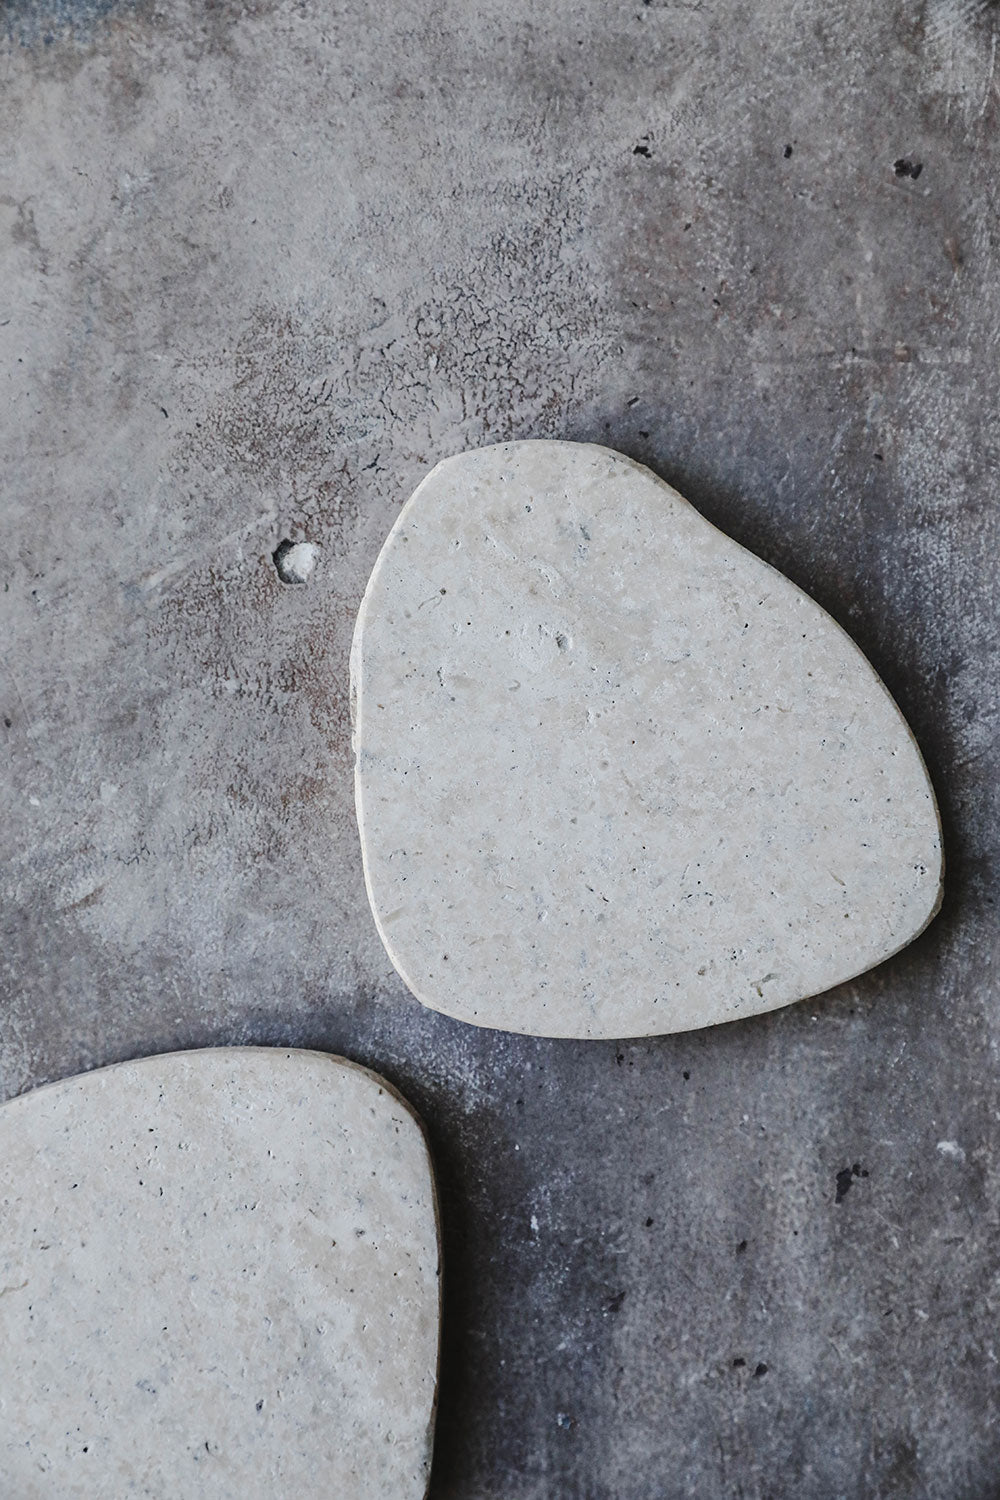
{"x": 218, "y": 1278}
{"x": 615, "y": 775}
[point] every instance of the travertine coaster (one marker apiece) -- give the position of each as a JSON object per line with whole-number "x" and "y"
{"x": 218, "y": 1278}
{"x": 615, "y": 775}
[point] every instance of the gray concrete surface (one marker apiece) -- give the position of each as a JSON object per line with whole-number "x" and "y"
{"x": 262, "y": 265}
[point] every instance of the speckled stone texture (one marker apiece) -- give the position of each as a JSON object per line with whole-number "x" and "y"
{"x": 263, "y": 264}
{"x": 616, "y": 776}
{"x": 219, "y": 1276}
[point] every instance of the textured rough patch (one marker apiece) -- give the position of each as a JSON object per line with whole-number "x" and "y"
{"x": 220, "y": 1278}
{"x": 615, "y": 775}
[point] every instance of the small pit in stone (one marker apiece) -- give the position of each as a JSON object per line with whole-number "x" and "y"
{"x": 294, "y": 561}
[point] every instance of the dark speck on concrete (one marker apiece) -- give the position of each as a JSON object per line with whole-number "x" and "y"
{"x": 904, "y": 167}
{"x": 760, "y": 1370}
{"x": 845, "y": 1178}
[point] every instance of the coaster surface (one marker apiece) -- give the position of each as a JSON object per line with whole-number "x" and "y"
{"x": 615, "y": 775}
{"x": 218, "y": 1278}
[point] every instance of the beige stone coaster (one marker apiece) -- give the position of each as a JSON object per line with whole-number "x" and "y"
{"x": 615, "y": 775}
{"x": 218, "y": 1278}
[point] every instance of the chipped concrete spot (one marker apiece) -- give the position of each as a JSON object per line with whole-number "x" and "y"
{"x": 295, "y": 561}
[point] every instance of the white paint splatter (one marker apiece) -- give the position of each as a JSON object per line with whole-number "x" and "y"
{"x": 951, "y": 1149}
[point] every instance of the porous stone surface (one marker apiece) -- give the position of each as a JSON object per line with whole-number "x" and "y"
{"x": 219, "y": 1276}
{"x": 615, "y": 775}
{"x": 264, "y": 263}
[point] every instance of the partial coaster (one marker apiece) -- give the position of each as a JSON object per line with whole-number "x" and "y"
{"x": 615, "y": 775}
{"x": 218, "y": 1278}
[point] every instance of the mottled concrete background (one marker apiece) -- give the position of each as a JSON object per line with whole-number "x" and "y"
{"x": 262, "y": 265}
